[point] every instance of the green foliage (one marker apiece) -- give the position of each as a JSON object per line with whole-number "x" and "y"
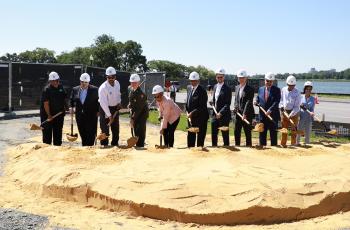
{"x": 39, "y": 55}
{"x": 80, "y": 55}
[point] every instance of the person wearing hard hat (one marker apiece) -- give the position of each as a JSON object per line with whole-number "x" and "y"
{"x": 221, "y": 101}
{"x": 244, "y": 95}
{"x": 290, "y": 107}
{"x": 110, "y": 104}
{"x": 84, "y": 98}
{"x": 268, "y": 98}
{"x": 169, "y": 114}
{"x": 139, "y": 109}
{"x": 306, "y": 112}
{"x": 196, "y": 107}
{"x": 53, "y": 101}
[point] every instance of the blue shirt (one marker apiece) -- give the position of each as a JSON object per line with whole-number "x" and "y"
{"x": 82, "y": 95}
{"x": 308, "y": 103}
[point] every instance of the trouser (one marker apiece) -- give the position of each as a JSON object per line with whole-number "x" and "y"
{"x": 247, "y": 131}
{"x": 200, "y": 136}
{"x": 173, "y": 96}
{"x": 272, "y": 128}
{"x": 169, "y": 133}
{"x": 285, "y": 124}
{"x": 87, "y": 126}
{"x": 215, "y": 124}
{"x": 114, "y": 126}
{"x": 52, "y": 130}
{"x": 140, "y": 131}
{"x": 306, "y": 126}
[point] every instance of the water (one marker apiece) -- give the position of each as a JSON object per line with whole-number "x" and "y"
{"x": 342, "y": 87}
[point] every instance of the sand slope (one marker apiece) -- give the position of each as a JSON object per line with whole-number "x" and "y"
{"x": 211, "y": 186}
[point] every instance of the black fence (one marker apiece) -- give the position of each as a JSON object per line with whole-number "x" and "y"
{"x": 25, "y": 81}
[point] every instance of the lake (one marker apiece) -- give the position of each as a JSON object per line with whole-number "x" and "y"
{"x": 342, "y": 87}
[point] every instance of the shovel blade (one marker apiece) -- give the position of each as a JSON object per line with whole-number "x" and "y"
{"x": 101, "y": 136}
{"x": 35, "y": 127}
{"x": 71, "y": 138}
{"x": 132, "y": 141}
{"x": 333, "y": 132}
{"x": 224, "y": 128}
{"x": 193, "y": 130}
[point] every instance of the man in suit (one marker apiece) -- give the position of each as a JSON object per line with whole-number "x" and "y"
{"x": 84, "y": 98}
{"x": 221, "y": 101}
{"x": 244, "y": 95}
{"x": 269, "y": 98}
{"x": 197, "y": 110}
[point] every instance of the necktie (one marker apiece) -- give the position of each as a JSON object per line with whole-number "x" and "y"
{"x": 266, "y": 94}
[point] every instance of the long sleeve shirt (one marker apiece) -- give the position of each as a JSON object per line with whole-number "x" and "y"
{"x": 169, "y": 110}
{"x": 109, "y": 96}
{"x": 290, "y": 100}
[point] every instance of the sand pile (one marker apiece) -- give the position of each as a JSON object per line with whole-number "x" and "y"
{"x": 221, "y": 186}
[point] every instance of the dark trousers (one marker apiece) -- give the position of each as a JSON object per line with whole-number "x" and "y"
{"x": 173, "y": 96}
{"x": 191, "y": 137}
{"x": 169, "y": 133}
{"x": 268, "y": 126}
{"x": 247, "y": 131}
{"x": 140, "y": 131}
{"x": 87, "y": 126}
{"x": 114, "y": 126}
{"x": 215, "y": 124}
{"x": 53, "y": 130}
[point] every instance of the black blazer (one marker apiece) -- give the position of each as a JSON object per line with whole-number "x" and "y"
{"x": 90, "y": 106}
{"x": 245, "y": 104}
{"x": 271, "y": 103}
{"x": 223, "y": 103}
{"x": 197, "y": 104}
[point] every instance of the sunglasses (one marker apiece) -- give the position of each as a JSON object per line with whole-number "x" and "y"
{"x": 111, "y": 77}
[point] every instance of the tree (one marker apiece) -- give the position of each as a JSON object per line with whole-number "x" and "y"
{"x": 80, "y": 55}
{"x": 132, "y": 57}
{"x": 107, "y": 51}
{"x": 39, "y": 55}
{"x": 10, "y": 57}
{"x": 173, "y": 70}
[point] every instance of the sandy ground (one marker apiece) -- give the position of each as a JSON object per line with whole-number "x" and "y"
{"x": 94, "y": 188}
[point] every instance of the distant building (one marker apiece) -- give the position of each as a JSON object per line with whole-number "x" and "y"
{"x": 313, "y": 70}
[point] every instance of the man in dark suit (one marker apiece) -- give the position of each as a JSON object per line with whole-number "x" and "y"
{"x": 221, "y": 102}
{"x": 244, "y": 95}
{"x": 197, "y": 110}
{"x": 269, "y": 98}
{"x": 84, "y": 98}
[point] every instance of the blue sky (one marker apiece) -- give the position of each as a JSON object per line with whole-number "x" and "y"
{"x": 258, "y": 35}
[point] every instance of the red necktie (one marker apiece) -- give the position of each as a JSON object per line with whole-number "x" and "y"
{"x": 266, "y": 94}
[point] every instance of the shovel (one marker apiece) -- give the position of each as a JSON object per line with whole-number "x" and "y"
{"x": 300, "y": 132}
{"x": 191, "y": 129}
{"x": 132, "y": 140}
{"x": 328, "y": 130}
{"x": 160, "y": 146}
{"x": 39, "y": 127}
{"x": 70, "y": 136}
{"x": 222, "y": 128}
{"x": 264, "y": 111}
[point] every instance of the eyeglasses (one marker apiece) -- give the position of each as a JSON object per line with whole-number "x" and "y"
{"x": 85, "y": 82}
{"x": 220, "y": 77}
{"x": 111, "y": 77}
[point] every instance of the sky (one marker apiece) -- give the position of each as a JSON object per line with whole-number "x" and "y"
{"x": 281, "y": 36}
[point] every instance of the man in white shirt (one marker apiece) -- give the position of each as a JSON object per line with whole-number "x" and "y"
{"x": 110, "y": 99}
{"x": 290, "y": 103}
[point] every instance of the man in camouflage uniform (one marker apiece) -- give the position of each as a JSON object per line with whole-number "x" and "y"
{"x": 138, "y": 109}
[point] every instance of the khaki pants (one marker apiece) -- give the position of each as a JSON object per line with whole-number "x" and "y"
{"x": 285, "y": 124}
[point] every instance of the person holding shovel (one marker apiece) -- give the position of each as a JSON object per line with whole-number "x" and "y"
{"x": 84, "y": 98}
{"x": 53, "y": 102}
{"x": 169, "y": 114}
{"x": 243, "y": 109}
{"x": 290, "y": 107}
{"x": 221, "y": 102}
{"x": 267, "y": 100}
{"x": 306, "y": 113}
{"x": 110, "y": 104}
{"x": 197, "y": 111}
{"x": 138, "y": 110}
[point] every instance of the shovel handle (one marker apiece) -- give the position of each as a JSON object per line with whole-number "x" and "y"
{"x": 264, "y": 111}
{"x": 316, "y": 118}
{"x": 290, "y": 120}
{"x": 53, "y": 117}
{"x": 245, "y": 120}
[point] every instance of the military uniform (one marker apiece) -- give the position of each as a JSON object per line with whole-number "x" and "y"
{"x": 139, "y": 114}
{"x": 57, "y": 103}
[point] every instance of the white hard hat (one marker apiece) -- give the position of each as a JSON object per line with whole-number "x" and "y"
{"x": 134, "y": 78}
{"x": 157, "y": 89}
{"x": 110, "y": 71}
{"x": 270, "y": 76}
{"x": 291, "y": 80}
{"x": 308, "y": 83}
{"x": 220, "y": 71}
{"x": 242, "y": 73}
{"x": 85, "y": 77}
{"x": 53, "y": 76}
{"x": 194, "y": 76}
